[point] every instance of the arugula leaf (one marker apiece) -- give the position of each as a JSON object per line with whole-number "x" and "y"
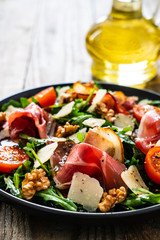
{"x": 30, "y": 150}
{"x": 50, "y": 195}
{"x": 88, "y": 99}
{"x": 57, "y": 90}
{"x": 2, "y": 183}
{"x": 11, "y": 102}
{"x": 24, "y": 102}
{"x": 125, "y": 130}
{"x": 126, "y": 139}
{"x": 78, "y": 120}
{"x": 37, "y": 142}
{"x": 35, "y": 101}
{"x": 154, "y": 103}
{"x": 108, "y": 124}
{"x": 146, "y": 198}
{"x": 19, "y": 173}
{"x": 10, "y": 185}
{"x": 80, "y": 137}
{"x": 133, "y": 161}
{"x": 97, "y": 84}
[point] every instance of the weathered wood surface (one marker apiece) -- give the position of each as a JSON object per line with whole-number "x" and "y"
{"x": 43, "y": 42}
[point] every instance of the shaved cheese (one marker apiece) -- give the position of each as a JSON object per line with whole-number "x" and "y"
{"x": 123, "y": 121}
{"x": 74, "y": 138}
{"x": 11, "y": 109}
{"x": 86, "y": 191}
{"x": 132, "y": 179}
{"x": 56, "y": 139}
{"x": 158, "y": 144}
{"x": 94, "y": 122}
{"x": 98, "y": 98}
{"x": 63, "y": 90}
{"x": 65, "y": 110}
{"x": 45, "y": 153}
{"x": 144, "y": 101}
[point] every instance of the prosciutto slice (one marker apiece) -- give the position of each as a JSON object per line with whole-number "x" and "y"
{"x": 92, "y": 161}
{"x": 29, "y": 121}
{"x": 149, "y": 130}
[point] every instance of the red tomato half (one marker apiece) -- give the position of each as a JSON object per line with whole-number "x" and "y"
{"x": 46, "y": 97}
{"x": 140, "y": 110}
{"x": 11, "y": 157}
{"x": 152, "y": 164}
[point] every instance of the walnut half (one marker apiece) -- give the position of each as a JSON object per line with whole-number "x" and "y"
{"x": 66, "y": 130}
{"x": 106, "y": 113}
{"x": 34, "y": 181}
{"x": 111, "y": 198}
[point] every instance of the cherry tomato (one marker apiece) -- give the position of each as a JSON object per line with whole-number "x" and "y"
{"x": 11, "y": 157}
{"x": 46, "y": 97}
{"x": 120, "y": 109}
{"x": 140, "y": 110}
{"x": 152, "y": 164}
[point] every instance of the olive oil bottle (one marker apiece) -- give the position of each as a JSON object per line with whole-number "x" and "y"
{"x": 124, "y": 47}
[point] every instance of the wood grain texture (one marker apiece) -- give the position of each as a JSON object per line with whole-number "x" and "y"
{"x": 43, "y": 42}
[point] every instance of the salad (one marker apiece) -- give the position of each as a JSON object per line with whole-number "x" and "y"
{"x": 81, "y": 148}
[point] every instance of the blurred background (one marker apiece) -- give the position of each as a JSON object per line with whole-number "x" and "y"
{"x": 43, "y": 41}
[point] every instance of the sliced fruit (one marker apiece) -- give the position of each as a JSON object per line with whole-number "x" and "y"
{"x": 106, "y": 140}
{"x": 119, "y": 96}
{"x": 79, "y": 87}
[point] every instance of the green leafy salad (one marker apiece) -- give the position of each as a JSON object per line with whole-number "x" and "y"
{"x": 81, "y": 148}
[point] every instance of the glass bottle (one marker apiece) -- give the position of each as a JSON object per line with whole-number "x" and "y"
{"x": 124, "y": 47}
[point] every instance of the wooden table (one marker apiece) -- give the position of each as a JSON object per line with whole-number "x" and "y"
{"x": 43, "y": 42}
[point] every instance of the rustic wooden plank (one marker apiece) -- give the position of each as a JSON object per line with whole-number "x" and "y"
{"x": 58, "y": 50}
{"x": 14, "y": 223}
{"x": 16, "y": 22}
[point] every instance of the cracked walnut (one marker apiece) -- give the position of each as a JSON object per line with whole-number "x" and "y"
{"x": 34, "y": 181}
{"x": 66, "y": 130}
{"x": 106, "y": 113}
{"x": 111, "y": 198}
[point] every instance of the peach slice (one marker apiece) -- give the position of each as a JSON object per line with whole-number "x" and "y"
{"x": 106, "y": 140}
{"x": 82, "y": 88}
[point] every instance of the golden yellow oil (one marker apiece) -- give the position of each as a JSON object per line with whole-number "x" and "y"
{"x": 124, "y": 48}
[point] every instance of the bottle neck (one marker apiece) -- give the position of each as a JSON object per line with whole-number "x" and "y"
{"x": 126, "y": 9}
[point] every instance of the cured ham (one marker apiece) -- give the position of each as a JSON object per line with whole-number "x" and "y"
{"x": 30, "y": 121}
{"x": 149, "y": 130}
{"x": 92, "y": 161}
{"x": 60, "y": 155}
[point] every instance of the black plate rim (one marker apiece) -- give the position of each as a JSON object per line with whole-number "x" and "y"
{"x": 42, "y": 209}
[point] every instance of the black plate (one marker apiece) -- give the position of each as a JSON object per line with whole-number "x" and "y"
{"x": 33, "y": 208}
